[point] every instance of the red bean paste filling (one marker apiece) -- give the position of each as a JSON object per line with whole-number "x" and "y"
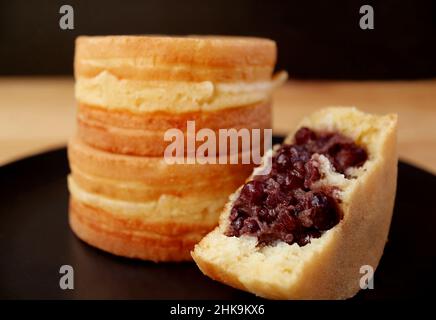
{"x": 284, "y": 205}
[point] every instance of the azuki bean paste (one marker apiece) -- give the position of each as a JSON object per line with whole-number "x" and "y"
{"x": 284, "y": 205}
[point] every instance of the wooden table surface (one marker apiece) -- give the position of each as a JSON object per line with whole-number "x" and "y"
{"x": 38, "y": 114}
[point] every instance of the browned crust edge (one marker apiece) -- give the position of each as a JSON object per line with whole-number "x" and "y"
{"x": 122, "y": 236}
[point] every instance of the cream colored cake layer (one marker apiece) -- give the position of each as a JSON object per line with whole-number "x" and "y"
{"x": 129, "y": 190}
{"x": 145, "y": 68}
{"x": 108, "y": 91}
{"x": 167, "y": 208}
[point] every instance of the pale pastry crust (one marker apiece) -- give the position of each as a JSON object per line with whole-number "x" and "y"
{"x": 165, "y": 208}
{"x": 328, "y": 267}
{"x": 113, "y": 93}
{"x": 141, "y": 191}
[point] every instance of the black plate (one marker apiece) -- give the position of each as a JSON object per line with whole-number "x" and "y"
{"x": 35, "y": 241}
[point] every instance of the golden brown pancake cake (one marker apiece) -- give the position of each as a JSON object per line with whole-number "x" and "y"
{"x": 125, "y": 198}
{"x": 132, "y": 89}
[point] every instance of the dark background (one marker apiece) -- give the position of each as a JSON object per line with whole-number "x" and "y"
{"x": 316, "y": 39}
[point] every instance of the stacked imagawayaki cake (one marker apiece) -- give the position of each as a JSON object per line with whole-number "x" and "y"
{"x": 125, "y": 198}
